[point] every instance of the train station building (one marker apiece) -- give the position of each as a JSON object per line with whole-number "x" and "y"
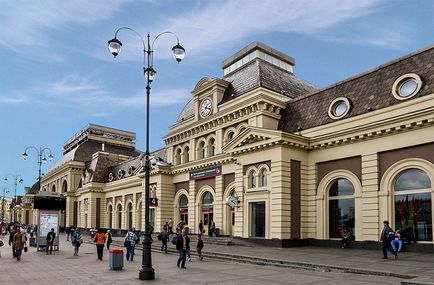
{"x": 267, "y": 155}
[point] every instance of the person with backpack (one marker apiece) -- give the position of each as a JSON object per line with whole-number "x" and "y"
{"x": 50, "y": 241}
{"x": 76, "y": 240}
{"x": 164, "y": 237}
{"x": 387, "y": 235}
{"x": 130, "y": 243}
{"x": 108, "y": 238}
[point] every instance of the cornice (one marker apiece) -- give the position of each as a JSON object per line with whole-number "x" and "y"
{"x": 263, "y": 104}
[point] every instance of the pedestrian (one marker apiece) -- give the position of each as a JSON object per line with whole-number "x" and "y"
{"x": 164, "y": 239}
{"x": 108, "y": 239}
{"x": 12, "y": 232}
{"x": 99, "y": 239}
{"x": 166, "y": 227}
{"x": 397, "y": 243}
{"x": 1, "y": 244}
{"x": 211, "y": 228}
{"x": 50, "y": 241}
{"x": 68, "y": 233}
{"x": 387, "y": 235}
{"x": 200, "y": 227}
{"x": 130, "y": 243}
{"x": 346, "y": 238}
{"x": 170, "y": 226}
{"x": 19, "y": 243}
{"x": 199, "y": 247}
{"x": 76, "y": 240}
{"x": 182, "y": 245}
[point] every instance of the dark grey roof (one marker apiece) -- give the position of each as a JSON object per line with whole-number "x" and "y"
{"x": 259, "y": 73}
{"x": 128, "y": 168}
{"x": 372, "y": 89}
{"x": 187, "y": 112}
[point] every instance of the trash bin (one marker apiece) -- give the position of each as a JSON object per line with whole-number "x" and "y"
{"x": 116, "y": 259}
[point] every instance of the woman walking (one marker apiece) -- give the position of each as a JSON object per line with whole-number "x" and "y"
{"x": 99, "y": 239}
{"x": 19, "y": 243}
{"x": 76, "y": 240}
{"x": 108, "y": 238}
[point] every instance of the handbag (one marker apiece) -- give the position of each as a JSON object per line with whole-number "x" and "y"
{"x": 127, "y": 243}
{"x": 1, "y": 243}
{"x": 25, "y": 249}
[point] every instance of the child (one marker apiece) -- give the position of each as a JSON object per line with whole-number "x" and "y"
{"x": 199, "y": 246}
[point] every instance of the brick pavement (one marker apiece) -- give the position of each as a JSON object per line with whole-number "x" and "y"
{"x": 63, "y": 267}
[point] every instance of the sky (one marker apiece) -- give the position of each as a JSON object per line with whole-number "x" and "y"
{"x": 57, "y": 76}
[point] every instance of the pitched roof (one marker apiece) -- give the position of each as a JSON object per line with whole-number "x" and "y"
{"x": 259, "y": 73}
{"x": 368, "y": 91}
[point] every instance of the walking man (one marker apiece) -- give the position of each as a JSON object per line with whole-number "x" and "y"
{"x": 182, "y": 245}
{"x": 164, "y": 239}
{"x": 385, "y": 238}
{"x": 199, "y": 247}
{"x": 130, "y": 243}
{"x": 200, "y": 227}
{"x": 50, "y": 241}
{"x": 68, "y": 232}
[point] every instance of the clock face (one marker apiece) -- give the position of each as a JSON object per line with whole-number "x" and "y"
{"x": 205, "y": 108}
{"x": 231, "y": 201}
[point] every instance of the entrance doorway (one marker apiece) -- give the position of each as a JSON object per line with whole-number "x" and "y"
{"x": 257, "y": 219}
{"x": 207, "y": 218}
{"x": 207, "y": 211}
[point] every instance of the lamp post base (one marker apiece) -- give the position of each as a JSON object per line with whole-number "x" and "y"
{"x": 147, "y": 272}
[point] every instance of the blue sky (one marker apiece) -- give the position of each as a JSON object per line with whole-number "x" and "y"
{"x": 57, "y": 74}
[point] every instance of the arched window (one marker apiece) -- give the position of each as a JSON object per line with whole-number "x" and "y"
{"x": 230, "y": 136}
{"x": 130, "y": 215}
{"x": 263, "y": 177}
{"x": 202, "y": 150}
{"x": 186, "y": 154}
{"x": 119, "y": 218}
{"x": 413, "y": 206}
{"x": 252, "y": 179}
{"x": 207, "y": 199}
{"x": 341, "y": 207}
{"x": 178, "y": 156}
{"x": 183, "y": 208}
{"x": 211, "y": 147}
{"x": 64, "y": 187}
{"x": 53, "y": 188}
{"x": 110, "y": 216}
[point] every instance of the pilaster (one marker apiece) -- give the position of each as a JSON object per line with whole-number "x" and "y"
{"x": 370, "y": 199}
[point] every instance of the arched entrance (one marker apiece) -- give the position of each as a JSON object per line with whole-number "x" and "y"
{"x": 207, "y": 211}
{"x": 110, "y": 217}
{"x": 130, "y": 215}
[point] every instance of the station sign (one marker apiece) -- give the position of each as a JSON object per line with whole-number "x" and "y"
{"x": 206, "y": 173}
{"x": 153, "y": 202}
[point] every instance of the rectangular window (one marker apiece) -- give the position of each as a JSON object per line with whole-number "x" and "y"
{"x": 257, "y": 219}
{"x": 413, "y": 216}
{"x": 341, "y": 215}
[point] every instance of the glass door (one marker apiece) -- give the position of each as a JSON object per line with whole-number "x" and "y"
{"x": 257, "y": 219}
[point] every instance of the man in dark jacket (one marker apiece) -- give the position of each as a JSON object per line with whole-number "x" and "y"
{"x": 50, "y": 241}
{"x": 12, "y": 233}
{"x": 182, "y": 245}
{"x": 386, "y": 235}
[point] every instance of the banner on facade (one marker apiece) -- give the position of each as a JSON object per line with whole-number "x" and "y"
{"x": 206, "y": 173}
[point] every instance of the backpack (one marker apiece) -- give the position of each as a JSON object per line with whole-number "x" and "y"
{"x": 160, "y": 236}
{"x": 391, "y": 235}
{"x": 174, "y": 240}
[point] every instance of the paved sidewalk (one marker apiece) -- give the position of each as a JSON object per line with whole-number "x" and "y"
{"x": 410, "y": 264}
{"x": 62, "y": 267}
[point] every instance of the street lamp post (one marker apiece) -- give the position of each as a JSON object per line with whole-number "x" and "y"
{"x": 114, "y": 45}
{"x": 3, "y": 205}
{"x": 41, "y": 159}
{"x": 17, "y": 180}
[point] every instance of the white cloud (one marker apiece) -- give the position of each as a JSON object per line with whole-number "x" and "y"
{"x": 26, "y": 23}
{"x": 217, "y": 24}
{"x": 86, "y": 94}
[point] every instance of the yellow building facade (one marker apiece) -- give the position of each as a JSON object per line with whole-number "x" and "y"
{"x": 267, "y": 156}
